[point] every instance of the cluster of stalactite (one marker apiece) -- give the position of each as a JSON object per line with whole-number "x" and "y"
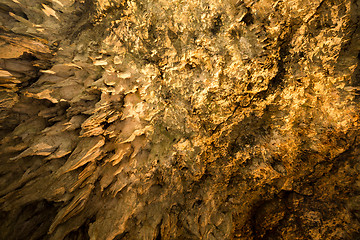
{"x": 143, "y": 119}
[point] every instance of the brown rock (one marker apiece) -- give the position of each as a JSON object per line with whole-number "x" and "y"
{"x": 179, "y": 119}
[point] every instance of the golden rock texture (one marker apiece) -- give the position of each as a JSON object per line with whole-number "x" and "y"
{"x": 202, "y": 119}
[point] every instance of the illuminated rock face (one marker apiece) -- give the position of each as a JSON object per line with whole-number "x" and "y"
{"x": 179, "y": 119}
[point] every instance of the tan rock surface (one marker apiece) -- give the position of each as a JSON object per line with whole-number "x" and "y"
{"x": 179, "y": 119}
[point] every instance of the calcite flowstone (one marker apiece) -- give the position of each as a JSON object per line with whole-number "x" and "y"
{"x": 202, "y": 119}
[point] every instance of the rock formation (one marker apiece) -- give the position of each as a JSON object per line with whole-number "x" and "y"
{"x": 202, "y": 119}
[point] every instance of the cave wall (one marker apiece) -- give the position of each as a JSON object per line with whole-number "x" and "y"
{"x": 139, "y": 119}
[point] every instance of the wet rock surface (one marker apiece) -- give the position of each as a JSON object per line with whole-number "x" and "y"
{"x": 128, "y": 119}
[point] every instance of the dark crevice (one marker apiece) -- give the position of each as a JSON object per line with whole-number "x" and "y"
{"x": 216, "y": 25}
{"x": 158, "y": 235}
{"x": 34, "y": 219}
{"x": 79, "y": 234}
{"x": 284, "y": 46}
{"x": 121, "y": 236}
{"x": 248, "y": 19}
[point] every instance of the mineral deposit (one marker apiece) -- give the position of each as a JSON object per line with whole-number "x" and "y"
{"x": 179, "y": 119}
